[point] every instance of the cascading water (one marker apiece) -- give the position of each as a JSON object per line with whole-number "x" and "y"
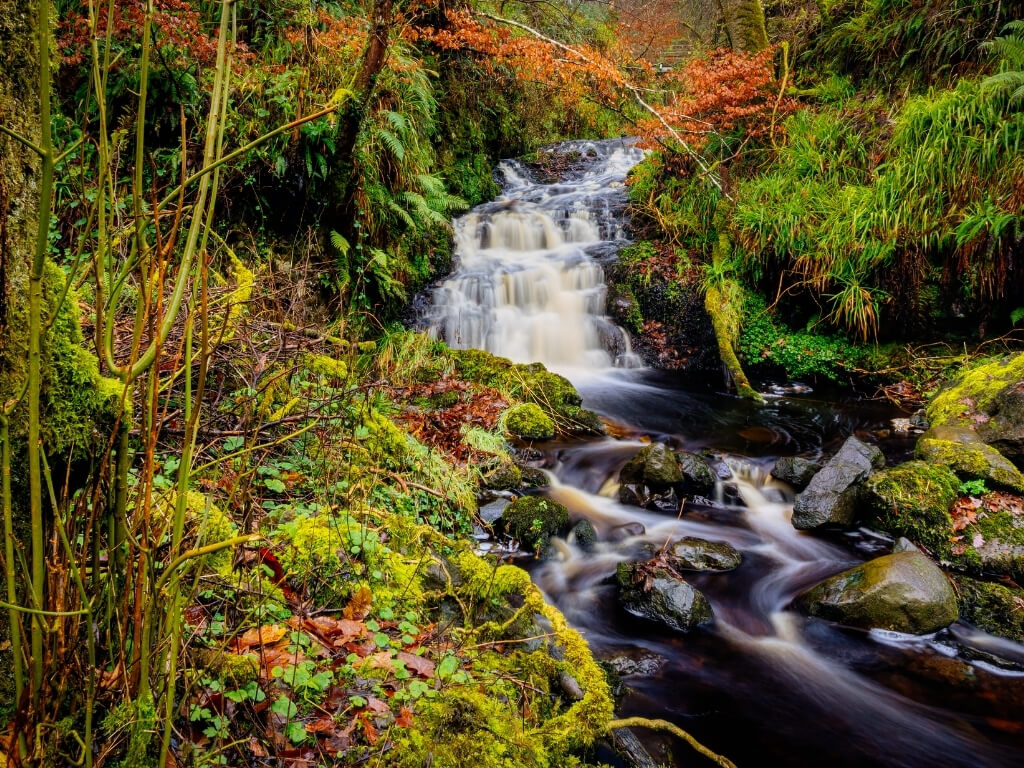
{"x": 763, "y": 684}
{"x": 527, "y": 284}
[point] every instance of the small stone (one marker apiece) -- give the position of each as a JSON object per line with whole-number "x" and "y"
{"x": 661, "y": 596}
{"x": 584, "y": 535}
{"x": 626, "y": 531}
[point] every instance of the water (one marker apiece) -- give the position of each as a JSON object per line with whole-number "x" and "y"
{"x": 763, "y": 684}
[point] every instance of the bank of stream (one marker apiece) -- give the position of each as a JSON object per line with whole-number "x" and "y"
{"x": 762, "y": 684}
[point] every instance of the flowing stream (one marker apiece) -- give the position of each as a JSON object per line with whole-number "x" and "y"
{"x": 763, "y": 685}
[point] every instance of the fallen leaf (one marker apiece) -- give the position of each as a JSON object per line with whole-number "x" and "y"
{"x": 369, "y": 730}
{"x": 359, "y": 606}
{"x": 322, "y": 725}
{"x": 418, "y": 664}
{"x": 404, "y": 719}
{"x": 379, "y": 660}
{"x": 978, "y": 540}
{"x": 376, "y": 705}
{"x": 265, "y": 635}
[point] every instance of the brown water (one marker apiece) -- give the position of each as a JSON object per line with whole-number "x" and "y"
{"x": 763, "y": 685}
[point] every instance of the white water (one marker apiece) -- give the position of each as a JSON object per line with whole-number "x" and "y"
{"x": 526, "y": 284}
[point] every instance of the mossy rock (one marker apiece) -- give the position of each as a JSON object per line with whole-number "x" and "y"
{"x": 962, "y": 450}
{"x": 506, "y": 476}
{"x": 533, "y": 520}
{"x": 995, "y": 608}
{"x": 584, "y": 535}
{"x": 531, "y": 382}
{"x": 902, "y": 592}
{"x": 528, "y": 422}
{"x": 968, "y": 401}
{"x": 914, "y": 500}
{"x": 655, "y": 466}
{"x": 533, "y": 477}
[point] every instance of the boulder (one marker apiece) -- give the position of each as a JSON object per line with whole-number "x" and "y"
{"x": 626, "y": 531}
{"x": 528, "y": 422}
{"x": 903, "y": 592}
{"x": 1005, "y": 429}
{"x": 831, "y": 496}
{"x": 695, "y": 554}
{"x": 795, "y": 470}
{"x": 978, "y": 394}
{"x": 698, "y": 477}
{"x": 533, "y": 520}
{"x": 533, "y": 477}
{"x": 913, "y": 500}
{"x": 655, "y": 466}
{"x": 504, "y": 475}
{"x": 659, "y": 595}
{"x": 962, "y": 450}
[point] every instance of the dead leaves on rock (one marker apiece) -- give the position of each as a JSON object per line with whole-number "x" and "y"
{"x": 967, "y": 510}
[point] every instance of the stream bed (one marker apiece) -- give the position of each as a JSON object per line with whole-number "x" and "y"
{"x": 763, "y": 684}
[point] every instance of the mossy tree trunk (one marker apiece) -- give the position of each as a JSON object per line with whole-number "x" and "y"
{"x": 19, "y": 205}
{"x": 744, "y": 23}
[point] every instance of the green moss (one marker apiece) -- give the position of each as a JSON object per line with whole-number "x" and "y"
{"x": 533, "y": 520}
{"x": 323, "y": 365}
{"x": 528, "y": 422}
{"x": 960, "y": 449}
{"x": 77, "y": 403}
{"x": 205, "y": 523}
{"x": 973, "y": 391}
{"x": 533, "y": 383}
{"x": 992, "y": 607}
{"x": 914, "y": 500}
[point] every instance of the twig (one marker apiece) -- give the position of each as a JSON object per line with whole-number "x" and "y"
{"x": 675, "y": 730}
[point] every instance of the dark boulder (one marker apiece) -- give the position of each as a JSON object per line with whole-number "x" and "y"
{"x": 533, "y": 520}
{"x": 695, "y": 554}
{"x": 698, "y": 477}
{"x": 796, "y": 470}
{"x": 831, "y": 496}
{"x": 655, "y": 466}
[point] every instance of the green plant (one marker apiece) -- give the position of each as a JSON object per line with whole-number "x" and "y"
{"x": 973, "y": 488}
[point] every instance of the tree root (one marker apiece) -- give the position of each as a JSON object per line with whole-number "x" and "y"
{"x": 675, "y": 730}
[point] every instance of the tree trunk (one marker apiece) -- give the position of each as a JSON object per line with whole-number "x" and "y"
{"x": 744, "y": 22}
{"x": 19, "y": 205}
{"x": 373, "y": 60}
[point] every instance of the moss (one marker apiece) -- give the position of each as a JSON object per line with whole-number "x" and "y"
{"x": 974, "y": 391}
{"x": 914, "y": 500}
{"x": 528, "y": 422}
{"x": 720, "y": 305}
{"x": 238, "y": 297}
{"x": 205, "y": 523}
{"x": 962, "y": 451}
{"x": 995, "y": 608}
{"x": 533, "y": 520}
{"x": 76, "y": 401}
{"x": 533, "y": 383}
{"x": 326, "y": 366}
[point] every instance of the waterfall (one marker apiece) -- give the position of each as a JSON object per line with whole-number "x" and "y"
{"x": 527, "y": 283}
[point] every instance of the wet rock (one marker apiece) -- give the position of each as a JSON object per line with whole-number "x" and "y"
{"x": 533, "y": 520}
{"x": 493, "y": 509}
{"x": 533, "y": 477}
{"x": 667, "y": 502}
{"x": 655, "y": 466}
{"x": 633, "y": 495}
{"x": 796, "y": 470}
{"x": 584, "y": 535}
{"x": 831, "y": 496}
{"x": 696, "y": 554}
{"x": 637, "y": 662}
{"x": 626, "y": 531}
{"x": 902, "y": 592}
{"x": 963, "y": 451}
{"x": 659, "y": 595}
{"x": 528, "y": 422}
{"x": 698, "y": 477}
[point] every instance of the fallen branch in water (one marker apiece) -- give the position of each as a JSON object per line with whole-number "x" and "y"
{"x": 675, "y": 730}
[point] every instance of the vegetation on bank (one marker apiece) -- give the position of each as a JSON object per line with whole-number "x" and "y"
{"x": 881, "y": 207}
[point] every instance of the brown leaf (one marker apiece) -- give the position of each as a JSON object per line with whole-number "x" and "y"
{"x": 369, "y": 730}
{"x": 418, "y": 664}
{"x": 379, "y": 660}
{"x": 376, "y": 705}
{"x": 265, "y": 635}
{"x": 359, "y": 606}
{"x": 404, "y": 719}
{"x": 324, "y": 724}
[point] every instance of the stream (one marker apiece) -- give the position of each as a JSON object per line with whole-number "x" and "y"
{"x": 763, "y": 684}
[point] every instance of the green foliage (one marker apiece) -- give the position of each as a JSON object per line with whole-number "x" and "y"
{"x": 973, "y": 488}
{"x": 1009, "y": 50}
